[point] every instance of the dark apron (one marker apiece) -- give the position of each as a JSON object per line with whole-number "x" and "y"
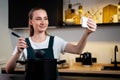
{"x": 41, "y": 64}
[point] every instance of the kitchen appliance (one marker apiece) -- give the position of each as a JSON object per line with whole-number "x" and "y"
{"x": 86, "y": 58}
{"x": 37, "y": 69}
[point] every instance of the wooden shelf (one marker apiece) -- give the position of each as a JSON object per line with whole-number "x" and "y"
{"x": 99, "y": 24}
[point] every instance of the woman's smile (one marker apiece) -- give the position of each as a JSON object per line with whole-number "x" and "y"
{"x": 40, "y": 20}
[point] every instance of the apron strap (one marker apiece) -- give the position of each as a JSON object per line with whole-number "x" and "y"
{"x": 51, "y": 42}
{"x": 30, "y": 50}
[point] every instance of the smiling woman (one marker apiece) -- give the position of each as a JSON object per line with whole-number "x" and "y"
{"x": 18, "y": 10}
{"x": 39, "y": 20}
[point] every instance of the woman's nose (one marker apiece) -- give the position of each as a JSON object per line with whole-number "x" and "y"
{"x": 42, "y": 22}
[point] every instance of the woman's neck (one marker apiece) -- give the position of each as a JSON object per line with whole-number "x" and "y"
{"x": 38, "y": 37}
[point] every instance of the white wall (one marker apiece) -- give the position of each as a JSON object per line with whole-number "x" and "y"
{"x": 100, "y": 43}
{"x": 5, "y": 41}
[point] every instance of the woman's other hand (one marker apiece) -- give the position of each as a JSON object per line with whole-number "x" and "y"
{"x": 21, "y": 44}
{"x": 91, "y": 25}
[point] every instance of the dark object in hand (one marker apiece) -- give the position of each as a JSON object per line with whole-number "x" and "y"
{"x": 61, "y": 62}
{"x": 21, "y": 62}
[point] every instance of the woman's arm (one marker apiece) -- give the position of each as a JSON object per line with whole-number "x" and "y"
{"x": 11, "y": 64}
{"x": 77, "y": 49}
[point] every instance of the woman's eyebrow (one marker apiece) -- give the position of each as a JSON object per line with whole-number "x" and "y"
{"x": 41, "y": 17}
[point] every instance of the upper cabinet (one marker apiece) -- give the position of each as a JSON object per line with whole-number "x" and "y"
{"x": 65, "y": 12}
{"x": 18, "y": 12}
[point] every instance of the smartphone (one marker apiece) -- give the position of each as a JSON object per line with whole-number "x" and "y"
{"x": 84, "y": 22}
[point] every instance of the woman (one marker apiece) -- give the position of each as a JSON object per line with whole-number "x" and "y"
{"x": 39, "y": 39}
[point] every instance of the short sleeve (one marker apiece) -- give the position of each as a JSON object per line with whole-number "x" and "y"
{"x": 59, "y": 46}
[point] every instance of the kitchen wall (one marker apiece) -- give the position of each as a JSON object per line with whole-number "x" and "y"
{"x": 100, "y": 43}
{"x": 5, "y": 40}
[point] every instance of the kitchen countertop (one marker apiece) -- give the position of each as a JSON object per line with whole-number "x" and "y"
{"x": 94, "y": 68}
{"x": 77, "y": 69}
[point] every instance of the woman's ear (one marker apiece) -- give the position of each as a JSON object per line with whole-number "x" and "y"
{"x": 30, "y": 22}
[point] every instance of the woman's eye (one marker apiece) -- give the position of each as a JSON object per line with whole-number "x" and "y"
{"x": 46, "y": 18}
{"x": 38, "y": 19}
{"x": 41, "y": 18}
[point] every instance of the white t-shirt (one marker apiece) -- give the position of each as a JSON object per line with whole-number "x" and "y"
{"x": 58, "y": 46}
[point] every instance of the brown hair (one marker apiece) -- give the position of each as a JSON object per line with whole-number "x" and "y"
{"x": 30, "y": 15}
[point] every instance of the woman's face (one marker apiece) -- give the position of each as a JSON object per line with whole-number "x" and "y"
{"x": 39, "y": 21}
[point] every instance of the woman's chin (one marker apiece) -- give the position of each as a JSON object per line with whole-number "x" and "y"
{"x": 42, "y": 29}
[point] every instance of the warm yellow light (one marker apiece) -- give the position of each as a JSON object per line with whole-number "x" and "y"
{"x": 119, "y": 5}
{"x": 80, "y": 8}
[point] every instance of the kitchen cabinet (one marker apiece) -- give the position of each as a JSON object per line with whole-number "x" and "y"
{"x": 18, "y": 12}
